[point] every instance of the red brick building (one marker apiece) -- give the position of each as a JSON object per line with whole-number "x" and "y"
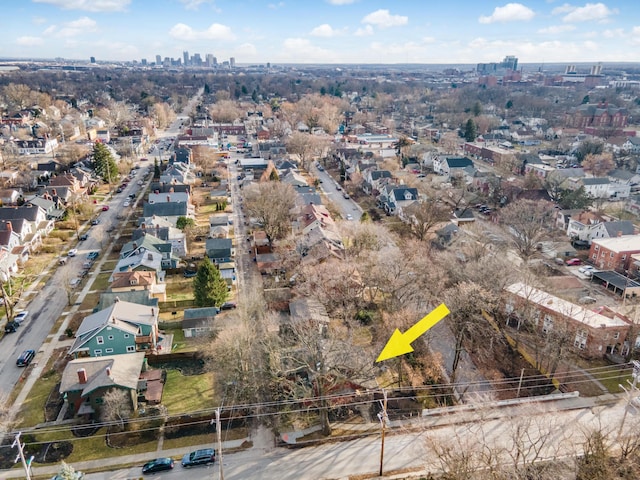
{"x": 592, "y": 333}
{"x": 614, "y": 253}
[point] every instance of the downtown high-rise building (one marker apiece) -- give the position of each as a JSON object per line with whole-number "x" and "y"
{"x": 185, "y": 58}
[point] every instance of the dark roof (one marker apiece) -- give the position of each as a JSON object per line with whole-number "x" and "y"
{"x": 616, "y": 279}
{"x": 377, "y": 174}
{"x": 199, "y": 313}
{"x": 26, "y": 212}
{"x": 595, "y": 181}
{"x": 167, "y": 187}
{"x": 165, "y": 209}
{"x": 623, "y": 227}
{"x": 459, "y": 162}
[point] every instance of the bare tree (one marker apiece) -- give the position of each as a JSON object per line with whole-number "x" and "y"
{"x": 598, "y": 164}
{"x": 425, "y": 215}
{"x": 116, "y": 406}
{"x": 528, "y": 222}
{"x": 306, "y": 147}
{"x": 225, "y": 111}
{"x": 270, "y": 203}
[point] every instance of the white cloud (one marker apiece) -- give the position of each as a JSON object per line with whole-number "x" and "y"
{"x": 324, "y": 30}
{"x": 555, "y": 29}
{"x": 297, "y": 48}
{"x": 615, "y": 33}
{"x": 71, "y": 29}
{"x": 215, "y": 32}
{"x": 383, "y": 19}
{"x": 29, "y": 41}
{"x": 274, "y": 6}
{"x": 341, "y": 2}
{"x": 39, "y": 20}
{"x": 591, "y": 11}
{"x": 364, "y": 32}
{"x": 246, "y": 50}
{"x": 511, "y": 12}
{"x": 635, "y": 36}
{"x": 89, "y": 5}
{"x": 195, "y": 4}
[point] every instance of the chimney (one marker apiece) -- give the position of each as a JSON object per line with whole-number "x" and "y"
{"x": 9, "y": 226}
{"x": 108, "y": 369}
{"x": 168, "y": 198}
{"x": 153, "y": 312}
{"x": 82, "y": 375}
{"x": 619, "y": 233}
{"x": 54, "y": 192}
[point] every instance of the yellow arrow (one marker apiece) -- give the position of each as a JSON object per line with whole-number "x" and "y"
{"x": 400, "y": 343}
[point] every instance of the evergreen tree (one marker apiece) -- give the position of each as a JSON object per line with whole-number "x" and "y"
{"x": 104, "y": 164}
{"x": 184, "y": 222}
{"x": 156, "y": 169}
{"x": 470, "y": 131}
{"x": 209, "y": 288}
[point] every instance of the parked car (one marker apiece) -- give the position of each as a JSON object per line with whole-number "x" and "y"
{"x": 93, "y": 255}
{"x": 587, "y": 269}
{"x": 126, "y": 203}
{"x": 95, "y": 221}
{"x": 11, "y": 326}
{"x": 574, "y": 261}
{"x": 228, "y": 306}
{"x": 105, "y": 208}
{"x": 158, "y": 465}
{"x": 25, "y": 358}
{"x": 188, "y": 274}
{"x": 346, "y": 195}
{"x": 205, "y": 456}
{"x": 73, "y": 252}
{"x": 349, "y": 216}
{"x": 83, "y": 237}
{"x": 21, "y": 316}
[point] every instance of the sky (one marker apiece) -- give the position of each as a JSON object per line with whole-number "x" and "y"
{"x": 323, "y": 31}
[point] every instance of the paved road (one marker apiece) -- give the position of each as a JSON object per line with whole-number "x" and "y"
{"x": 554, "y": 429}
{"x": 347, "y": 206}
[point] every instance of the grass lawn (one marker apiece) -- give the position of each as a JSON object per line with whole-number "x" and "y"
{"x": 101, "y": 282}
{"x": 32, "y": 409}
{"x": 188, "y": 393}
{"x": 90, "y": 301}
{"x": 180, "y": 290}
{"x": 94, "y": 447}
{"x": 611, "y": 380}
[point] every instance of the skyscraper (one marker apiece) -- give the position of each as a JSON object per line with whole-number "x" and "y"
{"x": 185, "y": 58}
{"x": 232, "y": 62}
{"x": 158, "y": 60}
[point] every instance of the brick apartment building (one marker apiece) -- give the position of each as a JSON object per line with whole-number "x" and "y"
{"x": 593, "y": 333}
{"x": 614, "y": 253}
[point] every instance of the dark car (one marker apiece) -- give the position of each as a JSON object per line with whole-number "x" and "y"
{"x": 228, "y": 306}
{"x": 188, "y": 274}
{"x": 11, "y": 327}
{"x": 158, "y": 465}
{"x": 95, "y": 221}
{"x": 93, "y": 255}
{"x": 83, "y": 237}
{"x": 25, "y": 358}
{"x": 206, "y": 456}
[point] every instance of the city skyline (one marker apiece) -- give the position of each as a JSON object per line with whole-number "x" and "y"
{"x": 323, "y": 31}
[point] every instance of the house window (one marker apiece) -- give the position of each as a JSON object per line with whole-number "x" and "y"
{"x": 99, "y": 401}
{"x": 547, "y": 325}
{"x": 108, "y": 350}
{"x": 616, "y": 335}
{"x": 624, "y": 257}
{"x": 97, "y": 353}
{"x": 131, "y": 349}
{"x": 126, "y": 335}
{"x": 611, "y": 255}
{"x": 110, "y": 337}
{"x": 581, "y": 339}
{"x": 597, "y": 247}
{"x": 536, "y": 317}
{"x": 508, "y": 308}
{"x": 100, "y": 340}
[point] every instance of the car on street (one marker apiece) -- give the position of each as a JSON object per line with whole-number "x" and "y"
{"x": 95, "y": 221}
{"x": 574, "y": 262}
{"x": 158, "y": 465}
{"x": 105, "y": 208}
{"x": 587, "y": 269}
{"x": 11, "y": 326}
{"x": 205, "y": 456}
{"x": 349, "y": 216}
{"x": 126, "y": 203}
{"x": 21, "y": 316}
{"x": 93, "y": 255}
{"x": 25, "y": 358}
{"x": 228, "y": 306}
{"x": 83, "y": 237}
{"x": 73, "y": 252}
{"x": 346, "y": 195}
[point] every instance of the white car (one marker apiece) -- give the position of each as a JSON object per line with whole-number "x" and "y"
{"x": 126, "y": 204}
{"x": 73, "y": 252}
{"x": 21, "y": 316}
{"x": 349, "y": 216}
{"x": 587, "y": 269}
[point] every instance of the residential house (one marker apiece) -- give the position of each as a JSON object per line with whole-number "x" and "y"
{"x": 48, "y": 206}
{"x": 614, "y": 253}
{"x": 219, "y": 226}
{"x": 593, "y": 335}
{"x": 632, "y": 145}
{"x": 37, "y": 146}
{"x": 74, "y": 184}
{"x": 177, "y": 173}
{"x": 198, "y": 322}
{"x": 147, "y": 243}
{"x": 596, "y": 187}
{"x": 122, "y": 328}
{"x": 395, "y": 197}
{"x": 375, "y": 180}
{"x": 163, "y": 230}
{"x": 580, "y": 223}
{"x": 294, "y": 179}
{"x": 141, "y": 260}
{"x": 320, "y": 237}
{"x": 9, "y": 196}
{"x": 612, "y": 229}
{"x": 85, "y": 381}
{"x": 451, "y": 166}
{"x": 8, "y": 261}
{"x": 168, "y": 211}
{"x": 131, "y": 281}
{"x": 219, "y": 250}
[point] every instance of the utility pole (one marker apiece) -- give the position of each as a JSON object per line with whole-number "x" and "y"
{"x": 25, "y": 464}
{"x": 382, "y": 416}
{"x": 630, "y": 393}
{"x": 219, "y": 432}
